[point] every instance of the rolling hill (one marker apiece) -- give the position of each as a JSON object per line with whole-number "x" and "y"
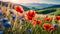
{"x": 50, "y": 10}
{"x": 25, "y": 8}
{"x": 36, "y": 6}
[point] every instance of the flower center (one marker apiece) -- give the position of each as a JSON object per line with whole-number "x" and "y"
{"x": 31, "y": 15}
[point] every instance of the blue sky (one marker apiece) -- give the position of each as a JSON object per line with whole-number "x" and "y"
{"x": 34, "y": 1}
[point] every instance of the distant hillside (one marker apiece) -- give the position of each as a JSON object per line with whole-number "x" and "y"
{"x": 54, "y": 6}
{"x": 25, "y": 8}
{"x": 36, "y": 6}
{"x": 50, "y": 10}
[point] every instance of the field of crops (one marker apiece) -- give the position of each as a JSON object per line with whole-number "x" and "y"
{"x": 17, "y": 21}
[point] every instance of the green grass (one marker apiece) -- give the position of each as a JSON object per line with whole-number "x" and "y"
{"x": 57, "y": 12}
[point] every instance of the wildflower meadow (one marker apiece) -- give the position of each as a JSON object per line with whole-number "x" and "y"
{"x": 18, "y": 21}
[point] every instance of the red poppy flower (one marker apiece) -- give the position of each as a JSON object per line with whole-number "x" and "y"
{"x": 47, "y": 18}
{"x": 46, "y": 26}
{"x": 19, "y": 9}
{"x": 51, "y": 28}
{"x": 30, "y": 14}
{"x": 57, "y": 17}
{"x": 36, "y": 21}
{"x": 28, "y": 18}
{"x": 39, "y": 21}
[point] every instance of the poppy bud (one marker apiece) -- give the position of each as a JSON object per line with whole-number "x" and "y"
{"x": 5, "y": 20}
{"x": 7, "y": 24}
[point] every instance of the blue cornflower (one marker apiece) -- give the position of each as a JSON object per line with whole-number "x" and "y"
{"x": 23, "y": 19}
{"x": 55, "y": 25}
{"x": 5, "y": 20}
{"x": 11, "y": 12}
{"x": 1, "y": 32}
{"x": 1, "y": 21}
{"x": 7, "y": 24}
{"x": 1, "y": 13}
{"x": 13, "y": 17}
{"x": 29, "y": 31}
{"x": 19, "y": 17}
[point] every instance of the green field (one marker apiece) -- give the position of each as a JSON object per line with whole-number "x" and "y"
{"x": 51, "y": 11}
